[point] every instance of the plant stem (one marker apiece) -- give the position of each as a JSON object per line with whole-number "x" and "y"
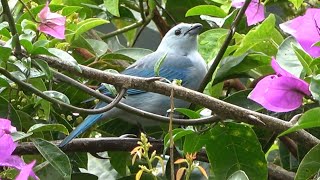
{"x": 15, "y": 35}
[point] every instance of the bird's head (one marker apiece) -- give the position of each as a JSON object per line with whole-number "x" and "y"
{"x": 181, "y": 39}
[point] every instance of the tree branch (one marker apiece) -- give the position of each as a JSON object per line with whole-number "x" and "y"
{"x": 95, "y": 145}
{"x": 134, "y": 110}
{"x": 221, "y": 108}
{"x": 12, "y": 26}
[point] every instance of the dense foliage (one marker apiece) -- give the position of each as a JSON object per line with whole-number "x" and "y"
{"x": 268, "y": 65}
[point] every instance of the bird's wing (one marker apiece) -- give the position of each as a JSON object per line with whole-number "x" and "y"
{"x": 173, "y": 67}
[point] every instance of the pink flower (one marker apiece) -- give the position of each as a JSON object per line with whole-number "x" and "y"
{"x": 5, "y": 127}
{"x": 306, "y": 30}
{"x": 7, "y": 146}
{"x": 254, "y": 12}
{"x": 281, "y": 92}
{"x": 52, "y": 23}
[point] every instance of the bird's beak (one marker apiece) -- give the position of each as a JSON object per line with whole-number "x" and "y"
{"x": 194, "y": 29}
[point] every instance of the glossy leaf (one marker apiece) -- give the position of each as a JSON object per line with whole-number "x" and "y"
{"x": 177, "y": 133}
{"x": 134, "y": 53}
{"x": 54, "y": 156}
{"x": 309, "y": 119}
{"x": 188, "y": 112}
{"x": 88, "y": 24}
{"x": 239, "y": 149}
{"x": 99, "y": 47}
{"x": 5, "y": 54}
{"x": 209, "y": 43}
{"x": 64, "y": 56}
{"x": 287, "y": 58}
{"x": 241, "y": 99}
{"x": 238, "y": 175}
{"x": 309, "y": 166}
{"x": 315, "y": 87}
{"x": 112, "y": 6}
{"x": 209, "y": 10}
{"x": 264, "y": 38}
{"x": 48, "y": 127}
{"x": 57, "y": 95}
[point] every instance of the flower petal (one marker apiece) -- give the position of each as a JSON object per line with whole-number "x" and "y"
{"x": 306, "y": 30}
{"x": 7, "y": 146}
{"x": 52, "y": 23}
{"x": 52, "y": 29}
{"x": 280, "y": 94}
{"x": 255, "y": 13}
{"x": 5, "y": 126}
{"x": 27, "y": 171}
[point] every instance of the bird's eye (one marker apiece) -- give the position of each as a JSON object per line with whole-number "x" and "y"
{"x": 177, "y": 32}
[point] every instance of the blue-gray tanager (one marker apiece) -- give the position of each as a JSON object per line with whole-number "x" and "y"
{"x": 182, "y": 61}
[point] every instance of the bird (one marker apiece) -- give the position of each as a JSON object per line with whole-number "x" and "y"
{"x": 180, "y": 60}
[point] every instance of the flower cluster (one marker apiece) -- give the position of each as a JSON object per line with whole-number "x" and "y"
{"x": 7, "y": 146}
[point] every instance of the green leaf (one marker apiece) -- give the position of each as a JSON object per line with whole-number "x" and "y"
{"x": 296, "y": 3}
{"x": 13, "y": 115}
{"x": 188, "y": 112}
{"x": 66, "y": 57}
{"x": 310, "y": 164}
{"x": 241, "y": 99}
{"x": 134, "y": 53}
{"x": 194, "y": 142}
{"x": 68, "y": 10}
{"x": 99, "y": 47}
{"x": 209, "y": 10}
{"x": 43, "y": 65}
{"x": 88, "y": 24}
{"x": 209, "y": 43}
{"x": 232, "y": 147}
{"x": 4, "y": 83}
{"x": 238, "y": 175}
{"x": 119, "y": 161}
{"x": 20, "y": 135}
{"x": 27, "y": 45}
{"x": 83, "y": 176}
{"x": 234, "y": 67}
{"x": 57, "y": 95}
{"x": 309, "y": 119}
{"x": 304, "y": 58}
{"x": 5, "y": 54}
{"x": 48, "y": 127}
{"x": 126, "y": 18}
{"x": 112, "y": 6}
{"x": 287, "y": 58}
{"x": 178, "y": 133}
{"x": 315, "y": 87}
{"x": 58, "y": 159}
{"x": 264, "y": 38}
{"x": 158, "y": 64}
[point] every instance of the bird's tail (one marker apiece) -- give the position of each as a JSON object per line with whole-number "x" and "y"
{"x": 88, "y": 122}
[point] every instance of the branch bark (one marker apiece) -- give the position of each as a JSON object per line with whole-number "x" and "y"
{"x": 221, "y": 108}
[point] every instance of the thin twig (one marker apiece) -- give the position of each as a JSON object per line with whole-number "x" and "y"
{"x": 12, "y": 26}
{"x": 133, "y": 110}
{"x": 171, "y": 135}
{"x": 143, "y": 16}
{"x": 28, "y": 10}
{"x": 29, "y": 87}
{"x": 128, "y": 28}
